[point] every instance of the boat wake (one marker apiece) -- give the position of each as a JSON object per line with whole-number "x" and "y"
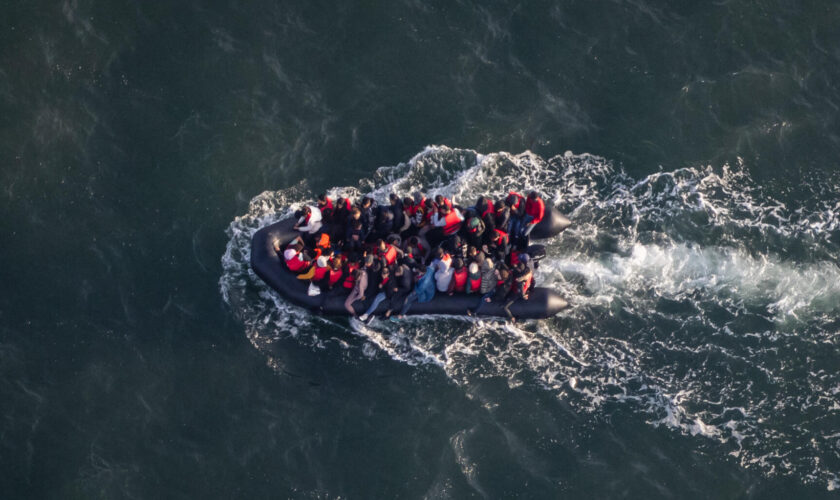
{"x": 698, "y": 299}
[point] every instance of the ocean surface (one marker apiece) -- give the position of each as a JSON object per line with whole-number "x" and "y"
{"x": 695, "y": 146}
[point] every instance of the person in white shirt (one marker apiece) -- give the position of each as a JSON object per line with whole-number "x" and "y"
{"x": 442, "y": 266}
{"x": 309, "y": 223}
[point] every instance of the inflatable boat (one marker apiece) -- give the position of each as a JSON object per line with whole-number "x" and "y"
{"x": 268, "y": 265}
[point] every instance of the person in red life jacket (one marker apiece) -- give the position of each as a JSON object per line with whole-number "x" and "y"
{"x": 429, "y": 212}
{"x": 474, "y": 276}
{"x": 320, "y": 272}
{"x": 360, "y": 282}
{"x": 350, "y": 274}
{"x": 388, "y": 252}
{"x": 295, "y": 258}
{"x": 442, "y": 201}
{"x": 499, "y": 244}
{"x": 501, "y": 218}
{"x": 484, "y": 207}
{"x": 447, "y": 222}
{"x": 520, "y": 288}
{"x": 414, "y": 249}
{"x": 327, "y": 208}
{"x": 335, "y": 273}
{"x": 515, "y": 255}
{"x": 458, "y": 283}
{"x": 534, "y": 212}
{"x": 331, "y": 286}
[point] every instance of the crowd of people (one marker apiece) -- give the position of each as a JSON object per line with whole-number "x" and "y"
{"x": 411, "y": 248}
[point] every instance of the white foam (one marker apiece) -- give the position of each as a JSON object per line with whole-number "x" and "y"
{"x": 692, "y": 264}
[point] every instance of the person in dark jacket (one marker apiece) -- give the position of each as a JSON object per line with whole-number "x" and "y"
{"x": 401, "y": 284}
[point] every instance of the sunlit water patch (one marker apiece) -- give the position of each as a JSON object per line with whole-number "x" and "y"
{"x": 699, "y": 301}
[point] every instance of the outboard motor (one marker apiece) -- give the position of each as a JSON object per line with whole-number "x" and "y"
{"x": 537, "y": 253}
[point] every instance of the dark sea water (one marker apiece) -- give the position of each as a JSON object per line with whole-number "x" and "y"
{"x": 695, "y": 145}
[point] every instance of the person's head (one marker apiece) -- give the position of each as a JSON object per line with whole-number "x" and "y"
{"x": 367, "y": 201}
{"x": 322, "y": 199}
{"x": 393, "y": 198}
{"x": 520, "y": 266}
{"x": 500, "y": 205}
{"x": 356, "y": 213}
{"x": 399, "y": 270}
{"x": 380, "y": 244}
{"x": 533, "y": 195}
{"x": 306, "y": 210}
{"x": 480, "y": 203}
{"x": 503, "y": 273}
{"x": 510, "y": 200}
{"x": 439, "y": 253}
{"x": 418, "y": 197}
{"x": 430, "y": 204}
{"x": 439, "y": 199}
{"x": 474, "y": 224}
{"x": 472, "y": 251}
{"x": 444, "y": 210}
{"x": 369, "y": 260}
{"x": 386, "y": 271}
{"x": 408, "y": 202}
{"x": 327, "y": 252}
{"x": 335, "y": 264}
{"x": 458, "y": 263}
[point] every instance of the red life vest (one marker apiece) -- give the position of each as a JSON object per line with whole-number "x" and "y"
{"x": 427, "y": 216}
{"x": 475, "y": 284}
{"x": 412, "y": 210}
{"x": 335, "y": 275}
{"x": 453, "y": 223}
{"x": 320, "y": 272}
{"x": 519, "y": 199}
{"x": 488, "y": 210}
{"x": 384, "y": 280}
{"x": 460, "y": 279}
{"x": 514, "y": 258}
{"x": 390, "y": 254}
{"x": 349, "y": 280}
{"x": 536, "y": 209}
{"x": 296, "y": 264}
{"x": 501, "y": 237}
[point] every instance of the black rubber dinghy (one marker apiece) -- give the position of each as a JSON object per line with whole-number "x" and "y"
{"x": 268, "y": 265}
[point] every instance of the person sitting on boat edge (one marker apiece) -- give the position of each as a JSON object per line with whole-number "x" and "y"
{"x": 360, "y": 282}
{"x": 534, "y": 212}
{"x": 458, "y": 282}
{"x": 442, "y": 266}
{"x": 309, "y": 221}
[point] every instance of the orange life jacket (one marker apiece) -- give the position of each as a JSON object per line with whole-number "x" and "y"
{"x": 453, "y": 223}
{"x": 390, "y": 254}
